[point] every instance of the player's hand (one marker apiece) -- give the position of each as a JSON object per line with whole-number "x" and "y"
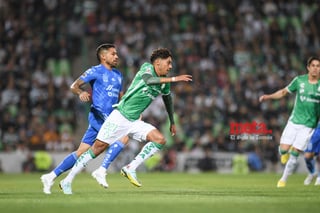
{"x": 262, "y": 98}
{"x": 85, "y": 96}
{"x": 173, "y": 130}
{"x": 183, "y": 78}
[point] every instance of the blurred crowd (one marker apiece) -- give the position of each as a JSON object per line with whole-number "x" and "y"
{"x": 36, "y": 50}
{"x": 235, "y": 51}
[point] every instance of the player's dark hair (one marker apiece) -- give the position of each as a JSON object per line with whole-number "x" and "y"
{"x": 103, "y": 47}
{"x": 162, "y": 53}
{"x": 312, "y": 58}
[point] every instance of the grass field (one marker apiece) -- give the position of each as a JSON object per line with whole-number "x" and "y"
{"x": 161, "y": 192}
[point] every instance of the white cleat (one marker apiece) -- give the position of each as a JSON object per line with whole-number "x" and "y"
{"x": 131, "y": 175}
{"x": 66, "y": 187}
{"x": 100, "y": 178}
{"x": 317, "y": 183}
{"x": 47, "y": 183}
{"x": 309, "y": 179}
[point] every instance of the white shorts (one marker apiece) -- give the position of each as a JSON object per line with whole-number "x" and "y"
{"x": 296, "y": 135}
{"x": 117, "y": 126}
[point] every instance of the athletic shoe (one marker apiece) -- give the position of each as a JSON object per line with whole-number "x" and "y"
{"x": 66, "y": 187}
{"x": 47, "y": 183}
{"x": 284, "y": 158}
{"x": 100, "y": 178}
{"x": 131, "y": 175}
{"x": 281, "y": 184}
{"x": 317, "y": 183}
{"x": 309, "y": 179}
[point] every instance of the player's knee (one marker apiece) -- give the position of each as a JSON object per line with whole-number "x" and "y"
{"x": 308, "y": 155}
{"x": 161, "y": 140}
{"x": 125, "y": 140}
{"x": 157, "y": 137}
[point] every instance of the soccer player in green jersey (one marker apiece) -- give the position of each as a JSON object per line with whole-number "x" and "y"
{"x": 149, "y": 82}
{"x": 303, "y": 119}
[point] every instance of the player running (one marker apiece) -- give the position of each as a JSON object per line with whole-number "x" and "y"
{"x": 106, "y": 84}
{"x": 149, "y": 82}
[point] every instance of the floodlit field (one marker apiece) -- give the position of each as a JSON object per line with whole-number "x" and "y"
{"x": 161, "y": 192}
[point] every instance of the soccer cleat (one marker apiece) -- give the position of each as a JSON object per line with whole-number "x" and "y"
{"x": 317, "y": 183}
{"x": 66, "y": 187}
{"x": 309, "y": 179}
{"x": 47, "y": 183}
{"x": 100, "y": 178}
{"x": 281, "y": 184}
{"x": 284, "y": 158}
{"x": 131, "y": 175}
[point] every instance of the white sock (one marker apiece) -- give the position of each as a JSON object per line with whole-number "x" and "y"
{"x": 102, "y": 170}
{"x": 52, "y": 175}
{"x": 80, "y": 164}
{"x": 147, "y": 151}
{"x": 290, "y": 166}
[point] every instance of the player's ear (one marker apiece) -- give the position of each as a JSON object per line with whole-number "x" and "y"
{"x": 157, "y": 61}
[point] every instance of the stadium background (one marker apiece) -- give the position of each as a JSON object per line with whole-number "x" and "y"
{"x": 235, "y": 50}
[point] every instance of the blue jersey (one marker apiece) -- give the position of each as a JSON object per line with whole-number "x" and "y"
{"x": 106, "y": 86}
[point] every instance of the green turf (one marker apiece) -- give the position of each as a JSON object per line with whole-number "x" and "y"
{"x": 161, "y": 192}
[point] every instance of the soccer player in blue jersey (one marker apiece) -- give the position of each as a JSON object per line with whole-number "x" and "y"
{"x": 150, "y": 81}
{"x": 313, "y": 149}
{"x": 106, "y": 84}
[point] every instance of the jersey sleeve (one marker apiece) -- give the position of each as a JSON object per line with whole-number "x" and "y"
{"x": 293, "y": 86}
{"x": 88, "y": 75}
{"x": 147, "y": 69}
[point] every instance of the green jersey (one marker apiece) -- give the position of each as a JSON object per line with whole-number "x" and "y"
{"x": 306, "y": 110}
{"x": 140, "y": 95}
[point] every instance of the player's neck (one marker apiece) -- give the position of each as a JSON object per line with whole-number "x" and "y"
{"x": 312, "y": 80}
{"x": 107, "y": 66}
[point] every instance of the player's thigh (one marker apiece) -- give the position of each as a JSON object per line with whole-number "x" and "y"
{"x": 289, "y": 134}
{"x": 114, "y": 128}
{"x": 90, "y": 136}
{"x": 302, "y": 138}
{"x": 139, "y": 130}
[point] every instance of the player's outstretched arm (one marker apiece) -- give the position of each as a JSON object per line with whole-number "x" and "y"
{"x": 151, "y": 80}
{"x": 276, "y": 95}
